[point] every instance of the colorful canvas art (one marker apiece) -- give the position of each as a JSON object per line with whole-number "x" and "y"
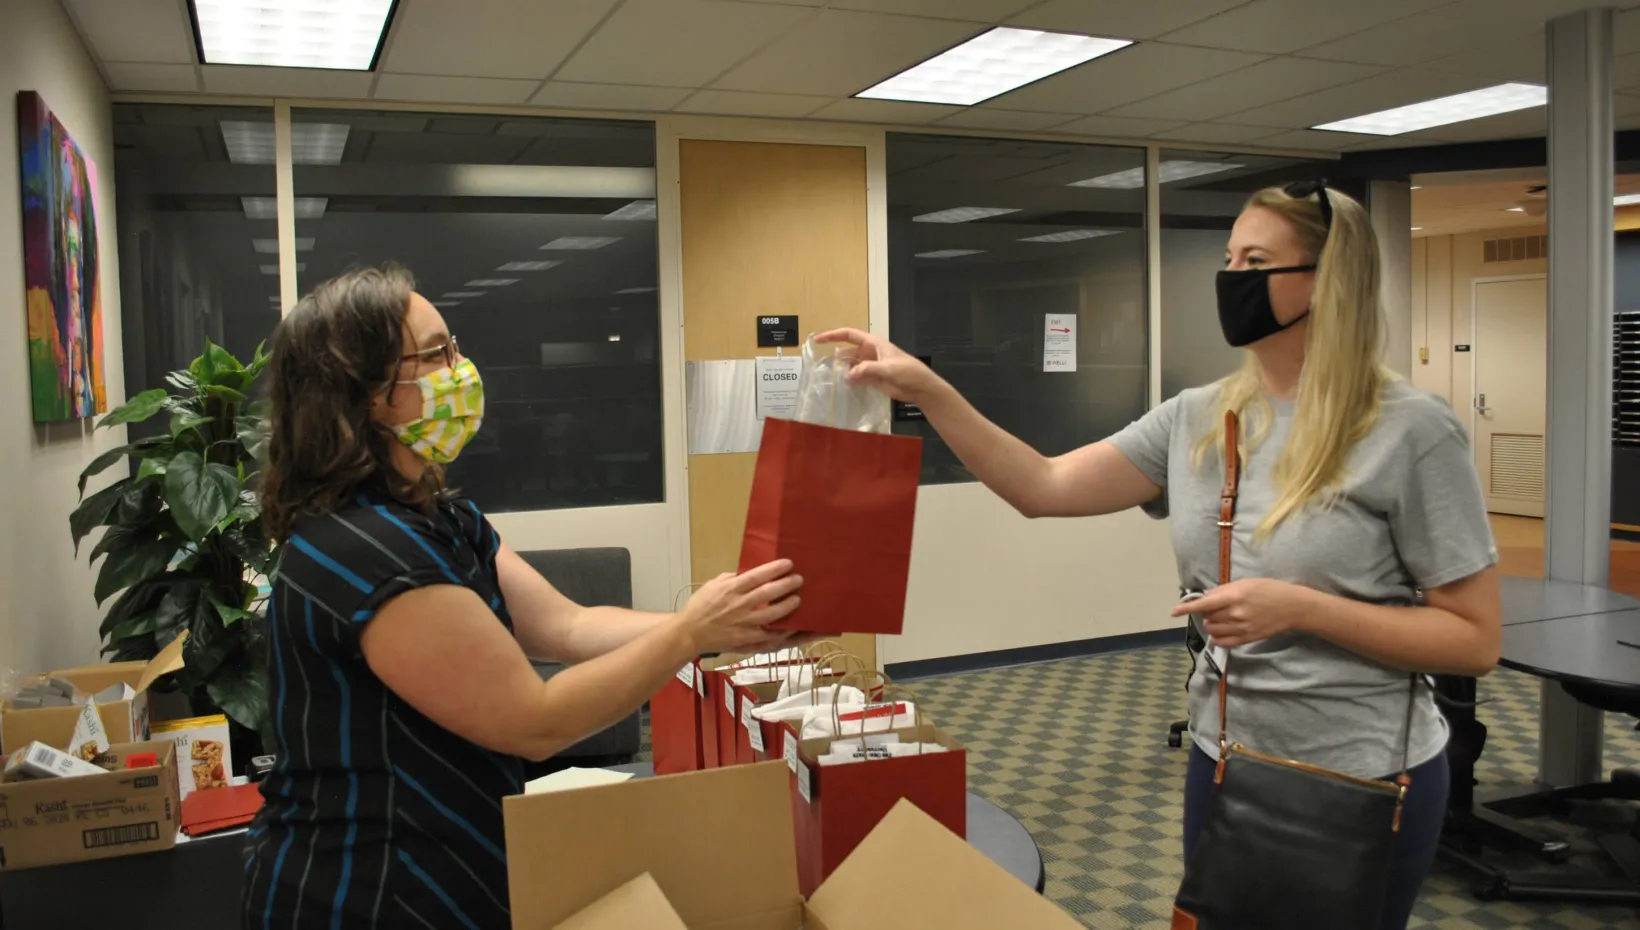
{"x": 62, "y": 276}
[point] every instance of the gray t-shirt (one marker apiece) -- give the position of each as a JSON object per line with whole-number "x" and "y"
{"x": 1411, "y": 517}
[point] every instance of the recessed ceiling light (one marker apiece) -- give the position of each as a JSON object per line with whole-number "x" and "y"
{"x": 491, "y": 282}
{"x": 1624, "y": 200}
{"x": 1071, "y": 235}
{"x": 1168, "y": 171}
{"x": 1488, "y": 101}
{"x": 271, "y": 246}
{"x": 266, "y": 208}
{"x": 962, "y": 214}
{"x": 1416, "y": 228}
{"x": 463, "y": 295}
{"x": 274, "y": 269}
{"x": 636, "y": 210}
{"x": 1417, "y": 187}
{"x": 1514, "y": 209}
{"x": 528, "y": 266}
{"x": 636, "y": 290}
{"x": 580, "y": 242}
{"x": 991, "y": 63}
{"x": 949, "y": 253}
{"x": 251, "y": 143}
{"x": 342, "y": 34}
{"x": 614, "y": 337}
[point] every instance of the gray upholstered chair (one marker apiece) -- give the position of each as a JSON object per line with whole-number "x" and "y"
{"x": 593, "y": 578}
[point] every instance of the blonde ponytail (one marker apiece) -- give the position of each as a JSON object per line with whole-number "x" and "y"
{"x": 1343, "y": 375}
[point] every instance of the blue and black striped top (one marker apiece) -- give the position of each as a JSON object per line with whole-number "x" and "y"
{"x": 374, "y": 814}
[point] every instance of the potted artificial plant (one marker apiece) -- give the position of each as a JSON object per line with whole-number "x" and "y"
{"x": 184, "y": 538}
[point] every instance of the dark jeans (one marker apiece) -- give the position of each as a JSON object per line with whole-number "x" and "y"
{"x": 1415, "y": 846}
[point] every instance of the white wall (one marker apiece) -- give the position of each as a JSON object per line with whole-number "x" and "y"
{"x": 642, "y": 529}
{"x": 47, "y": 616}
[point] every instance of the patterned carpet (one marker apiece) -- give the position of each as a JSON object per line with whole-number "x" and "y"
{"x": 1077, "y": 751}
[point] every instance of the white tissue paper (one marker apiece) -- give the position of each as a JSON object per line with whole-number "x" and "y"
{"x": 794, "y": 707}
{"x": 821, "y": 721}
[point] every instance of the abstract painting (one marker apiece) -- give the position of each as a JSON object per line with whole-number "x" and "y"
{"x": 62, "y": 275}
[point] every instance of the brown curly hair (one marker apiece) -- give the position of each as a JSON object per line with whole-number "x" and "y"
{"x": 340, "y": 346}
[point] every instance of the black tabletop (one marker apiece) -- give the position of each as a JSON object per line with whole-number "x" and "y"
{"x": 1532, "y": 600}
{"x": 1578, "y": 649}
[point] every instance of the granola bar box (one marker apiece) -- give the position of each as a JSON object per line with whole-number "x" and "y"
{"x": 50, "y": 821}
{"x": 203, "y": 759}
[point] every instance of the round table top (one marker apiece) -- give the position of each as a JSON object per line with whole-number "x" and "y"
{"x": 1532, "y": 600}
{"x": 1590, "y": 648}
{"x": 991, "y": 830}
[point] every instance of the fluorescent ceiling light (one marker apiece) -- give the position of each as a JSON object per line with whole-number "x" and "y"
{"x": 1488, "y": 101}
{"x": 949, "y": 253}
{"x": 446, "y": 303}
{"x": 266, "y": 208}
{"x": 1514, "y": 209}
{"x": 962, "y": 214}
{"x": 580, "y": 242}
{"x": 528, "y": 266}
{"x": 614, "y": 337}
{"x": 1167, "y": 172}
{"x": 1624, "y": 200}
{"x": 636, "y": 210}
{"x": 1416, "y": 228}
{"x": 463, "y": 295}
{"x": 991, "y": 63}
{"x": 274, "y": 269}
{"x": 636, "y": 290}
{"x": 271, "y": 246}
{"x": 491, "y": 282}
{"x": 341, "y": 34}
{"x": 1071, "y": 235}
{"x": 310, "y": 143}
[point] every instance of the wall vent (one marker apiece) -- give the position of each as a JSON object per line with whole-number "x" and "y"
{"x": 1518, "y": 249}
{"x": 1517, "y": 466}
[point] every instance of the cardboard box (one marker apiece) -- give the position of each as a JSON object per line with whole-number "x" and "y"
{"x": 55, "y": 820}
{"x": 124, "y": 721}
{"x": 638, "y": 903}
{"x": 203, "y": 756}
{"x": 741, "y": 872}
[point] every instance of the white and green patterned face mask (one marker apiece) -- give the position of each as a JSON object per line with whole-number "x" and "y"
{"x": 452, "y": 409}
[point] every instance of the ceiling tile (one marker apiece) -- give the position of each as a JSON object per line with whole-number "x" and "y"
{"x": 1517, "y": 59}
{"x": 1427, "y": 36}
{"x": 1266, "y": 82}
{"x": 1117, "y": 126}
{"x": 1369, "y": 95}
{"x": 136, "y": 30}
{"x": 882, "y": 111}
{"x": 1015, "y": 120}
{"x": 1134, "y": 73}
{"x": 1521, "y": 123}
{"x": 489, "y": 38}
{"x": 839, "y": 53}
{"x": 1626, "y": 71}
{"x": 1123, "y": 19}
{"x": 440, "y": 89}
{"x": 1281, "y": 26}
{"x": 1220, "y": 133}
{"x": 1315, "y": 139}
{"x": 981, "y": 11}
{"x": 742, "y": 103}
{"x": 285, "y": 82}
{"x": 157, "y": 78}
{"x": 644, "y": 42}
{"x": 608, "y": 96}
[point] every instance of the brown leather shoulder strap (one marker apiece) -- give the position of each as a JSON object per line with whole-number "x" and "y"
{"x": 1227, "y": 523}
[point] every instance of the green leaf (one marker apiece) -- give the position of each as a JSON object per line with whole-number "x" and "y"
{"x": 141, "y": 501}
{"x": 231, "y": 615}
{"x": 128, "y": 566}
{"x": 137, "y": 409}
{"x": 141, "y": 625}
{"x": 152, "y": 467}
{"x": 242, "y": 693}
{"x": 94, "y": 511}
{"x": 183, "y": 420}
{"x": 221, "y": 359}
{"x": 259, "y": 361}
{"x": 200, "y": 494}
{"x": 100, "y": 464}
{"x": 139, "y": 598}
{"x": 226, "y": 394}
{"x": 177, "y": 610}
{"x": 122, "y": 536}
{"x": 236, "y": 380}
{"x": 253, "y": 437}
{"x": 182, "y": 381}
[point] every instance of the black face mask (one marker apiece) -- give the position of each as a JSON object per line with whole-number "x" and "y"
{"x": 1245, "y": 312}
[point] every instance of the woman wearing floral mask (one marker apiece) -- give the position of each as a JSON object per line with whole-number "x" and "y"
{"x": 403, "y": 702}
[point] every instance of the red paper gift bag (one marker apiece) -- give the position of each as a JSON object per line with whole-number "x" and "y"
{"x": 674, "y": 724}
{"x": 840, "y": 504}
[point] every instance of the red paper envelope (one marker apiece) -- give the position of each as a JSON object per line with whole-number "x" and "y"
{"x": 211, "y": 809}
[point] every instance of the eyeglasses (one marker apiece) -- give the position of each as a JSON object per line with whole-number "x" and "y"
{"x": 449, "y": 353}
{"x": 1304, "y": 190}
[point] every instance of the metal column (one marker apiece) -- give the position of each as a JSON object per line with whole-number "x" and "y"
{"x": 1390, "y": 205}
{"x": 1578, "y": 530}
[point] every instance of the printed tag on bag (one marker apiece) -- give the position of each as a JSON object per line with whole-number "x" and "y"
{"x": 791, "y": 750}
{"x": 804, "y": 788}
{"x": 746, "y": 718}
{"x": 729, "y": 698}
{"x": 687, "y": 675}
{"x": 754, "y": 735}
{"x": 700, "y": 684}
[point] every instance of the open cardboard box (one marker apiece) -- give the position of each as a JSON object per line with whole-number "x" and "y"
{"x": 718, "y": 845}
{"x": 50, "y": 821}
{"x": 126, "y": 721}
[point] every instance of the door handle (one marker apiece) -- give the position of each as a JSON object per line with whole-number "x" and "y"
{"x": 1480, "y": 404}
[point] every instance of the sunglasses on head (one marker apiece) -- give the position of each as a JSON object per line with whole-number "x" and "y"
{"x": 1304, "y": 190}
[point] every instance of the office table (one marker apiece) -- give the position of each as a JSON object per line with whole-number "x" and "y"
{"x": 204, "y": 878}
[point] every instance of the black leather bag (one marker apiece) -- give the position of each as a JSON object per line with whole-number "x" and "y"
{"x": 1285, "y": 845}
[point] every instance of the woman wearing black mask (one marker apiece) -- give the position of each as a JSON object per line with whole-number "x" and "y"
{"x": 1357, "y": 492}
